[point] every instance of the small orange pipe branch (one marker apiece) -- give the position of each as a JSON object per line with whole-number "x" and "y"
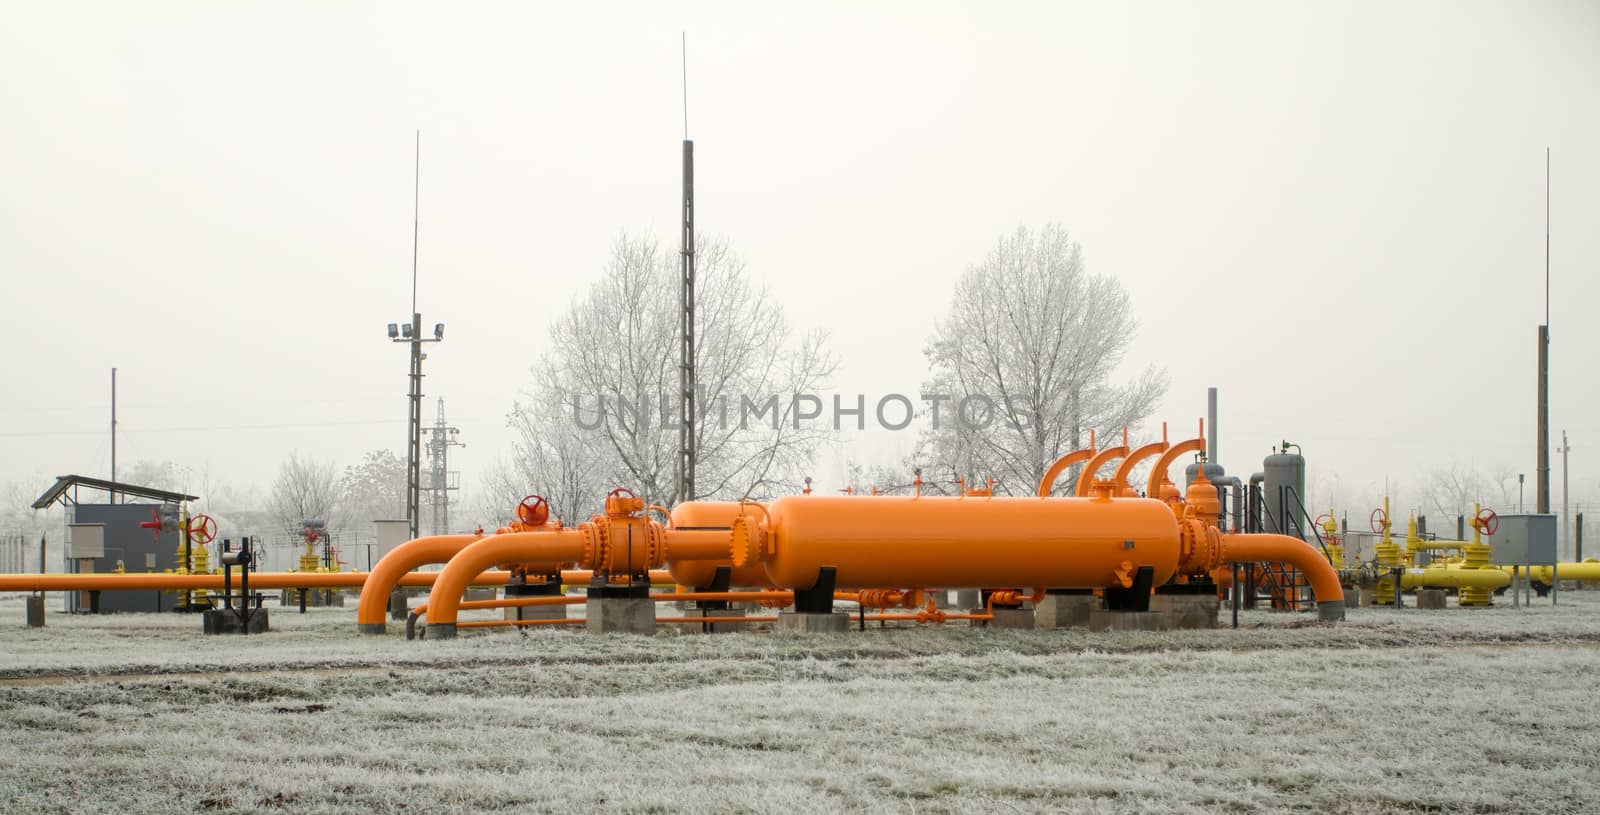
{"x": 499, "y": 623}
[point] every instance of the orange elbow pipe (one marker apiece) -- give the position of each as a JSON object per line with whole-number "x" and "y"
{"x": 1048, "y": 482}
{"x": 1086, "y": 479}
{"x": 1158, "y": 472}
{"x": 1268, "y": 548}
{"x": 555, "y": 546}
{"x": 373, "y": 607}
{"x": 1125, "y": 469}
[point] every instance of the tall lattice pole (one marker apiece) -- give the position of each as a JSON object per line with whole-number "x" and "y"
{"x": 686, "y": 362}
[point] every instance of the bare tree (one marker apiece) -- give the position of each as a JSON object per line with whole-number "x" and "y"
{"x": 551, "y": 457}
{"x": 1452, "y": 490}
{"x": 160, "y": 475}
{"x": 373, "y": 490}
{"x": 612, "y": 377}
{"x": 304, "y": 490}
{"x": 1023, "y": 363}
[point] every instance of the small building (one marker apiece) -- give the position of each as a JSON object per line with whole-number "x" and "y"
{"x": 119, "y": 536}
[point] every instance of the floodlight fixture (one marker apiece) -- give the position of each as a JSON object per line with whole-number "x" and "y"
{"x": 394, "y": 330}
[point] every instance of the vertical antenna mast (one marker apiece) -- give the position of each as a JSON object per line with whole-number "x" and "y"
{"x": 416, "y": 214}
{"x": 686, "y": 361}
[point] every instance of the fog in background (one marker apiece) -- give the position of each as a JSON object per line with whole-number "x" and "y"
{"x": 1335, "y": 213}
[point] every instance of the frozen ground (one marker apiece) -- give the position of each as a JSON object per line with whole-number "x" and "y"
{"x": 1488, "y": 710}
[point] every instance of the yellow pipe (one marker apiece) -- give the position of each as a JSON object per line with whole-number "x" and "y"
{"x": 1433, "y": 577}
{"x": 1587, "y": 571}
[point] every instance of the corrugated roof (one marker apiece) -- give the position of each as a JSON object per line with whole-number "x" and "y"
{"x": 67, "y": 482}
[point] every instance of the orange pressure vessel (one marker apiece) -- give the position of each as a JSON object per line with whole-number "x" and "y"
{"x": 938, "y": 542}
{"x": 718, "y": 515}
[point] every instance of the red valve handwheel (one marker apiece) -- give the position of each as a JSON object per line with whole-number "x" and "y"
{"x": 1321, "y": 520}
{"x": 533, "y": 510}
{"x": 622, "y": 491}
{"x": 202, "y": 529}
{"x": 1488, "y": 521}
{"x": 1378, "y": 519}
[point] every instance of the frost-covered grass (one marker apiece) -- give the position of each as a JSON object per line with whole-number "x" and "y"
{"x": 1484, "y": 710}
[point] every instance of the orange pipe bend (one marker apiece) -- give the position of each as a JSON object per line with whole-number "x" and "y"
{"x": 372, "y": 609}
{"x": 1158, "y": 472}
{"x": 551, "y": 546}
{"x": 1269, "y": 548}
{"x": 1086, "y": 478}
{"x": 1048, "y": 482}
{"x": 1125, "y": 469}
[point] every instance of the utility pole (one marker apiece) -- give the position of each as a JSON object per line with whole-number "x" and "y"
{"x": 1542, "y": 476}
{"x": 441, "y": 437}
{"x": 686, "y": 358}
{"x": 411, "y": 333}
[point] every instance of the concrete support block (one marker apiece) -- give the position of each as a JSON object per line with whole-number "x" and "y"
{"x": 399, "y": 607}
{"x": 1104, "y": 620}
{"x": 1188, "y": 610}
{"x": 36, "y": 611}
{"x": 226, "y": 621}
{"x": 1366, "y": 598}
{"x": 481, "y": 593}
{"x": 796, "y": 622}
{"x": 1013, "y": 617}
{"x": 940, "y": 597}
{"x": 1430, "y": 598}
{"x": 967, "y": 598}
{"x": 620, "y": 615}
{"x": 1065, "y": 610}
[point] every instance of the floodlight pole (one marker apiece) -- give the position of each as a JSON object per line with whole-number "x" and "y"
{"x": 414, "y": 430}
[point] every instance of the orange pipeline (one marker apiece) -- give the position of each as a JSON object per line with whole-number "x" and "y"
{"x": 397, "y": 569}
{"x": 372, "y": 608}
{"x": 1268, "y": 548}
{"x": 162, "y": 581}
{"x": 560, "y": 545}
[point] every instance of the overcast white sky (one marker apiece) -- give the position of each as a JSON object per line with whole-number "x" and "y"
{"x": 1334, "y": 212}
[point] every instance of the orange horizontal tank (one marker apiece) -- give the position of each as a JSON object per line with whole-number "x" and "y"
{"x": 937, "y": 542}
{"x": 717, "y": 515}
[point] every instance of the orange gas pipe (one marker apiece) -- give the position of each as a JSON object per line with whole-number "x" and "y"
{"x": 1158, "y": 472}
{"x": 937, "y": 542}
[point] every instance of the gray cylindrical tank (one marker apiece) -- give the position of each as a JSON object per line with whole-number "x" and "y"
{"x": 1214, "y": 473}
{"x": 1285, "y": 493}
